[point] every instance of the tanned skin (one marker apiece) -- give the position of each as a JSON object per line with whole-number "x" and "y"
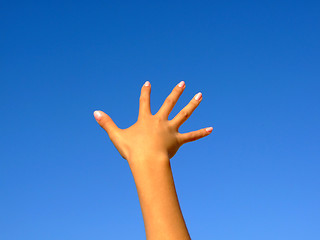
{"x": 148, "y": 146}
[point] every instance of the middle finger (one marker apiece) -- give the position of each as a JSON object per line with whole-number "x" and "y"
{"x": 171, "y": 100}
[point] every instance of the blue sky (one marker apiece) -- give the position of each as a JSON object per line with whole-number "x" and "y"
{"x": 256, "y": 63}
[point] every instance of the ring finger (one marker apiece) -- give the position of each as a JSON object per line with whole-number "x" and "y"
{"x": 186, "y": 112}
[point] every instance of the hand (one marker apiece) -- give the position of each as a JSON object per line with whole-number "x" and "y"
{"x": 153, "y": 135}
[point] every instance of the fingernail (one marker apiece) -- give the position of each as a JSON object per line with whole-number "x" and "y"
{"x": 209, "y": 129}
{"x": 97, "y": 115}
{"x": 198, "y": 96}
{"x": 181, "y": 84}
{"x": 147, "y": 84}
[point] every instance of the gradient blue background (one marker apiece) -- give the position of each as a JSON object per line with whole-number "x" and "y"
{"x": 257, "y": 65}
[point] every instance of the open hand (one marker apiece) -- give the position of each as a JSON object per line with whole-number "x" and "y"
{"x": 153, "y": 134}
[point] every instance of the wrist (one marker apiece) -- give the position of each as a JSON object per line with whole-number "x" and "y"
{"x": 146, "y": 158}
{"x": 148, "y": 164}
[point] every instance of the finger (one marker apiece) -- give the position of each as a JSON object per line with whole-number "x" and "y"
{"x": 145, "y": 99}
{"x": 106, "y": 123}
{"x": 186, "y": 112}
{"x": 195, "y": 135}
{"x": 171, "y": 100}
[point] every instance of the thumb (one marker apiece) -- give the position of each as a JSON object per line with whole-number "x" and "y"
{"x": 106, "y": 122}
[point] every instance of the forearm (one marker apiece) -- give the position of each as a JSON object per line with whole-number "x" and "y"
{"x": 158, "y": 199}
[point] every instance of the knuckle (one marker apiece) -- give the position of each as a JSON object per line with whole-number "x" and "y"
{"x": 177, "y": 90}
{"x": 169, "y": 100}
{"x": 194, "y": 103}
{"x": 203, "y": 133}
{"x": 105, "y": 122}
{"x": 180, "y": 139}
{"x": 193, "y": 136}
{"x": 143, "y": 98}
{"x": 185, "y": 114}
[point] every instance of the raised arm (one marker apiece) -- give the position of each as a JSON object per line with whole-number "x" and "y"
{"x": 148, "y": 146}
